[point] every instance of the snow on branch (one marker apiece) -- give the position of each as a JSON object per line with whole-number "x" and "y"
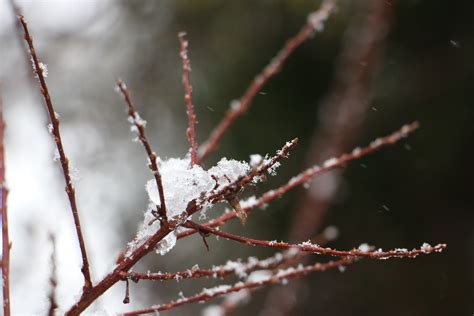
{"x": 138, "y": 126}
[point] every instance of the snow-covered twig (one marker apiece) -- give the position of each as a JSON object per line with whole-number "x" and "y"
{"x": 38, "y": 69}
{"x": 238, "y": 268}
{"x": 190, "y": 132}
{"x": 139, "y": 125}
{"x": 314, "y": 24}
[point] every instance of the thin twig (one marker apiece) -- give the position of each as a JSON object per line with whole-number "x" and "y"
{"x": 139, "y": 123}
{"x": 190, "y": 132}
{"x": 38, "y": 70}
{"x": 208, "y": 294}
{"x": 316, "y": 249}
{"x": 19, "y": 30}
{"x": 308, "y": 174}
{"x": 5, "y": 237}
{"x": 314, "y": 23}
{"x": 53, "y": 304}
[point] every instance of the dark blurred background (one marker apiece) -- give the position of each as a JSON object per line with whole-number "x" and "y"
{"x": 419, "y": 190}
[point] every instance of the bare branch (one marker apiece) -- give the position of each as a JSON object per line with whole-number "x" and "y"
{"x": 38, "y": 70}
{"x": 190, "y": 132}
{"x": 314, "y": 23}
{"x": 139, "y": 123}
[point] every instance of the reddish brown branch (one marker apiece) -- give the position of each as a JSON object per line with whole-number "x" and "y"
{"x": 208, "y": 294}
{"x": 316, "y": 249}
{"x": 190, "y": 132}
{"x": 4, "y": 212}
{"x": 113, "y": 277}
{"x": 139, "y": 124}
{"x": 38, "y": 70}
{"x": 308, "y": 174}
{"x": 315, "y": 23}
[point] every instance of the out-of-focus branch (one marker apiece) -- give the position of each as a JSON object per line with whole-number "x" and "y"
{"x": 315, "y": 23}
{"x": 4, "y": 212}
{"x": 342, "y": 115}
{"x": 53, "y": 282}
{"x": 341, "y": 119}
{"x": 139, "y": 125}
{"x": 191, "y": 131}
{"x": 38, "y": 69}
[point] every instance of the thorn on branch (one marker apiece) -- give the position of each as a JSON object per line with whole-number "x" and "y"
{"x": 204, "y": 236}
{"x": 126, "y": 299}
{"x": 241, "y": 214}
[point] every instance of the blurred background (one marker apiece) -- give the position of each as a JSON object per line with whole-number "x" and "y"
{"x": 376, "y": 66}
